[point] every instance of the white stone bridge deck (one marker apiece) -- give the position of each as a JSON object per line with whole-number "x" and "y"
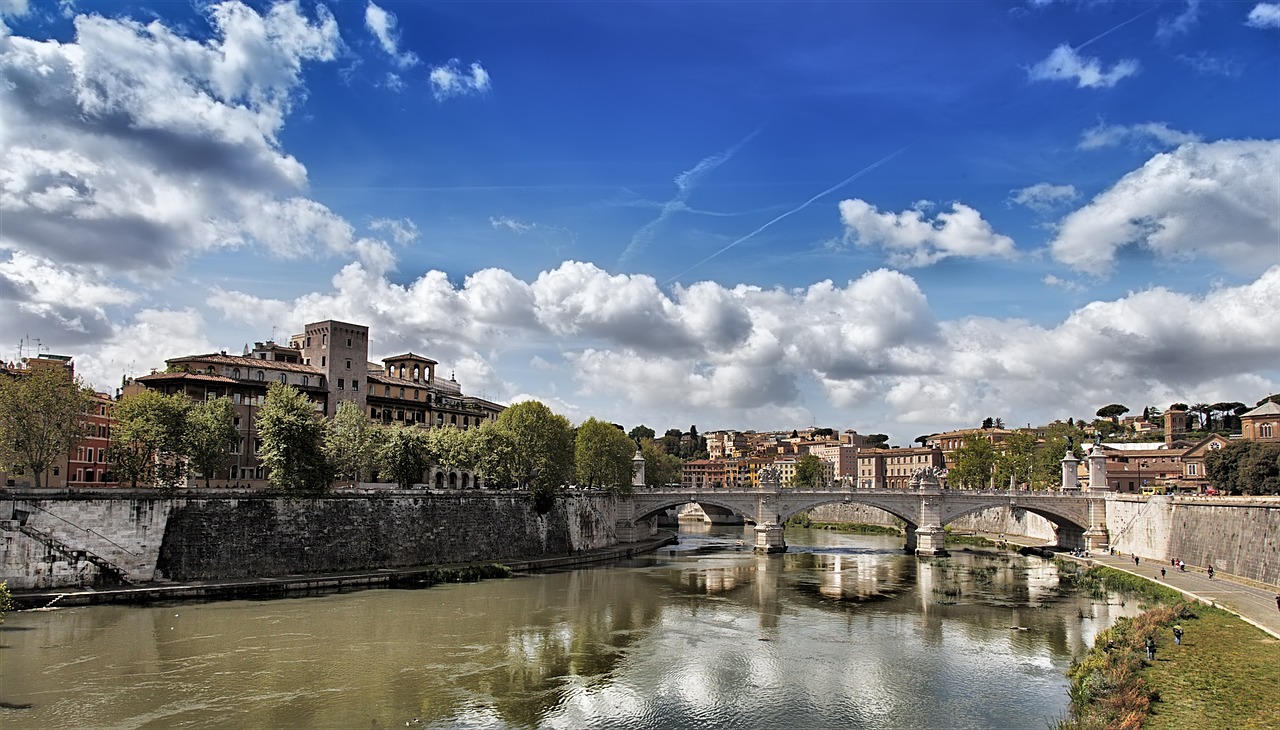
{"x": 1079, "y": 518}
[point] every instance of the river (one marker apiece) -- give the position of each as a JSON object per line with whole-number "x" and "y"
{"x": 842, "y": 631}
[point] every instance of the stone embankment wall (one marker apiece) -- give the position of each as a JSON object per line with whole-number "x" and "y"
{"x": 1236, "y": 535}
{"x": 213, "y": 536}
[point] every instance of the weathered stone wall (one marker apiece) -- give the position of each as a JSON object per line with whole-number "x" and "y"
{"x": 859, "y": 513}
{"x": 245, "y": 535}
{"x": 1235, "y": 535}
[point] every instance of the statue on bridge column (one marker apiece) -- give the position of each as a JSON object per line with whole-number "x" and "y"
{"x": 928, "y": 477}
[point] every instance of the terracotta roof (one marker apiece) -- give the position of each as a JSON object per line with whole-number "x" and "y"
{"x": 410, "y": 356}
{"x": 241, "y": 361}
{"x": 202, "y": 377}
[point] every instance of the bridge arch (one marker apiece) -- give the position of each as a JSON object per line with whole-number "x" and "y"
{"x": 906, "y": 510}
{"x": 651, "y": 509}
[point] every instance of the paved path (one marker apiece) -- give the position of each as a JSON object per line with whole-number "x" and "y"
{"x": 1253, "y": 603}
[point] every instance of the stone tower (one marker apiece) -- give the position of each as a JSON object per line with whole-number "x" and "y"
{"x": 1175, "y": 425}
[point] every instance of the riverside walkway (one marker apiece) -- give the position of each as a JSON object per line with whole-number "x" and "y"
{"x": 1253, "y": 602}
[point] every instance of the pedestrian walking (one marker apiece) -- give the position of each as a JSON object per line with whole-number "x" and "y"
{"x": 1151, "y": 649}
{"x": 1210, "y": 572}
{"x": 1135, "y": 559}
{"x": 1162, "y": 574}
{"x": 1177, "y": 635}
{"x": 1278, "y": 601}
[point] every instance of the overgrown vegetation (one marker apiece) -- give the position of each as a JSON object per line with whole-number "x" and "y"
{"x": 460, "y": 574}
{"x": 6, "y": 600}
{"x": 1222, "y": 675}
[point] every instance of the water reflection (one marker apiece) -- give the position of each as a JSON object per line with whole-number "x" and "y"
{"x": 841, "y": 631}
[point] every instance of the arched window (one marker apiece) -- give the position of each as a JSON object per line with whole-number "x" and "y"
{"x": 402, "y": 392}
{"x": 284, "y": 378}
{"x": 415, "y": 373}
{"x": 236, "y": 373}
{"x": 306, "y": 380}
{"x": 386, "y": 391}
{"x": 261, "y": 375}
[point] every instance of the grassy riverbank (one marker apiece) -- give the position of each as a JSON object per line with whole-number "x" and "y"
{"x": 1223, "y": 675}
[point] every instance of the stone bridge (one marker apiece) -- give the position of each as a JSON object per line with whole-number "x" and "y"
{"x": 1079, "y": 518}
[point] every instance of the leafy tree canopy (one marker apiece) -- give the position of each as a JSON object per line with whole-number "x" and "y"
{"x": 640, "y": 433}
{"x": 351, "y": 443}
{"x": 404, "y": 455}
{"x": 660, "y": 467}
{"x": 211, "y": 434}
{"x": 542, "y": 446}
{"x": 292, "y": 447}
{"x": 41, "y": 418}
{"x": 810, "y": 473}
{"x": 149, "y": 438}
{"x": 603, "y": 456}
{"x": 975, "y": 460}
{"x": 1112, "y": 412}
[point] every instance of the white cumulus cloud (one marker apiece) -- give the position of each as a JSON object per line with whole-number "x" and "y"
{"x": 1112, "y": 135}
{"x": 1216, "y": 200}
{"x": 1044, "y": 197}
{"x": 913, "y": 240}
{"x": 383, "y": 26}
{"x": 1264, "y": 15}
{"x": 451, "y": 80}
{"x": 1064, "y": 64}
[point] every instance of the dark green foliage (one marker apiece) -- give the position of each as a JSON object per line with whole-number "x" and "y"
{"x": 1245, "y": 467}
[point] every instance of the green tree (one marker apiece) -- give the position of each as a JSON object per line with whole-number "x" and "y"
{"x": 922, "y": 439}
{"x": 293, "y": 443}
{"x": 542, "y": 446}
{"x": 1112, "y": 412}
{"x": 974, "y": 461}
{"x": 41, "y": 417}
{"x": 149, "y": 439}
{"x": 495, "y": 454}
{"x": 6, "y": 599}
{"x": 603, "y": 456}
{"x": 877, "y": 441}
{"x": 640, "y": 433}
{"x": 404, "y": 455}
{"x": 810, "y": 473}
{"x": 453, "y": 448}
{"x": 1245, "y": 467}
{"x": 1047, "y": 470}
{"x": 1269, "y": 399}
{"x": 351, "y": 443}
{"x": 211, "y": 434}
{"x": 1016, "y": 463}
{"x": 660, "y": 468}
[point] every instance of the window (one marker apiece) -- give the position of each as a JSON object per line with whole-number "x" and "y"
{"x": 402, "y": 392}
{"x": 355, "y": 384}
{"x": 261, "y": 375}
{"x": 306, "y": 380}
{"x": 341, "y": 384}
{"x": 324, "y": 338}
{"x": 1191, "y": 470}
{"x": 373, "y": 413}
{"x": 55, "y": 470}
{"x": 348, "y": 343}
{"x": 399, "y": 415}
{"x": 102, "y": 455}
{"x": 284, "y": 378}
{"x": 236, "y": 421}
{"x": 322, "y": 360}
{"x": 88, "y": 476}
{"x": 415, "y": 394}
{"x": 1264, "y": 430}
{"x": 308, "y": 341}
{"x": 348, "y": 363}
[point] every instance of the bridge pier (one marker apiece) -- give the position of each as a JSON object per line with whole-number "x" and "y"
{"x": 769, "y": 539}
{"x": 931, "y": 541}
{"x": 910, "y": 533}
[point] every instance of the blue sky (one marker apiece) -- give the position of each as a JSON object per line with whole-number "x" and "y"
{"x": 897, "y": 217}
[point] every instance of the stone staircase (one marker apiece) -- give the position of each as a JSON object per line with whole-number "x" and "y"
{"x": 109, "y": 571}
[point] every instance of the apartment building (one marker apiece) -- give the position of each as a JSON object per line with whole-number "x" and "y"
{"x": 893, "y": 468}
{"x": 702, "y": 474}
{"x": 88, "y": 464}
{"x": 842, "y": 457}
{"x": 951, "y": 441}
{"x": 328, "y": 362}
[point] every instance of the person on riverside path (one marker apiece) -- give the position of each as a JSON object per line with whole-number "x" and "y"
{"x": 1162, "y": 573}
{"x": 1151, "y": 649}
{"x": 1177, "y": 635}
{"x": 1210, "y": 572}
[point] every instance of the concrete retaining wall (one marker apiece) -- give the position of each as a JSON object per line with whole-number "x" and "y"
{"x": 1236, "y": 535}
{"x": 220, "y": 536}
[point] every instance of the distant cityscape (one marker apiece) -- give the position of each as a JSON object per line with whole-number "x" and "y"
{"x": 329, "y": 362}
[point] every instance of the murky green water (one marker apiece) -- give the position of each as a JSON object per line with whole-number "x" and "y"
{"x": 843, "y": 631}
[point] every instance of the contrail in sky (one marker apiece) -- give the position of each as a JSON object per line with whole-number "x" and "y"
{"x": 796, "y": 209}
{"x": 1115, "y": 28}
{"x": 685, "y": 182}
